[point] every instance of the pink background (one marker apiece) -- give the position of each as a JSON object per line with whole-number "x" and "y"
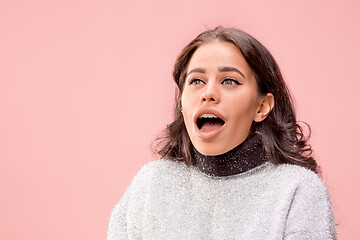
{"x": 85, "y": 86}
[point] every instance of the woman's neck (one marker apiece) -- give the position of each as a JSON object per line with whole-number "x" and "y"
{"x": 248, "y": 155}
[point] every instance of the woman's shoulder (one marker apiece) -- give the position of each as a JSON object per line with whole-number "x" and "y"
{"x": 159, "y": 169}
{"x": 295, "y": 171}
{"x": 163, "y": 166}
{"x": 310, "y": 207}
{"x": 298, "y": 176}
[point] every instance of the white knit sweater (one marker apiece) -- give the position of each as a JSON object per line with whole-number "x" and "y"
{"x": 168, "y": 200}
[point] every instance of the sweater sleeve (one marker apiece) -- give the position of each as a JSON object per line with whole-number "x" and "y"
{"x": 124, "y": 220}
{"x": 117, "y": 227}
{"x": 310, "y": 215}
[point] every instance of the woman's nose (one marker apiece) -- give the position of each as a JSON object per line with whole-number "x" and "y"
{"x": 210, "y": 95}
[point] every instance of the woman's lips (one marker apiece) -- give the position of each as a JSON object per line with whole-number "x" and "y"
{"x": 210, "y": 133}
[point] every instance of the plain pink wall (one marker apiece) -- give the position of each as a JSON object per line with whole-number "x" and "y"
{"x": 85, "y": 86}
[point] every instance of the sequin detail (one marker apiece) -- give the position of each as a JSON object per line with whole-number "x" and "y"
{"x": 248, "y": 155}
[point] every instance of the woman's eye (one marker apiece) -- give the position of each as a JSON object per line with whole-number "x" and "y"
{"x": 196, "y": 81}
{"x": 229, "y": 81}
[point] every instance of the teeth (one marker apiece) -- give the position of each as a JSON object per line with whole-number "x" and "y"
{"x": 207, "y": 115}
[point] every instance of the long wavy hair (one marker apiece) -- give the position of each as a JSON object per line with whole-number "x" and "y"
{"x": 283, "y": 138}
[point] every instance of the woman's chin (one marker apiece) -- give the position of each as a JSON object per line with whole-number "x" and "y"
{"x": 211, "y": 151}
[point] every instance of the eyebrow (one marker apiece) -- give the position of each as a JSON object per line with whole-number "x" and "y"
{"x": 199, "y": 70}
{"x": 231, "y": 69}
{"x": 220, "y": 69}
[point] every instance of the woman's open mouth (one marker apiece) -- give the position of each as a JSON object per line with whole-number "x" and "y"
{"x": 208, "y": 123}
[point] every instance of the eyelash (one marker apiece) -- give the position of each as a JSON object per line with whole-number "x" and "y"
{"x": 226, "y": 79}
{"x": 232, "y": 80}
{"x": 193, "y": 80}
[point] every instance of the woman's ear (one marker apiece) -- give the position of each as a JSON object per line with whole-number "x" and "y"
{"x": 266, "y": 104}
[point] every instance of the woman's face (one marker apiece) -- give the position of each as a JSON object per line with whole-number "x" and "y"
{"x": 220, "y": 99}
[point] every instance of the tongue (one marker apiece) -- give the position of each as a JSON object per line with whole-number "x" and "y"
{"x": 211, "y": 126}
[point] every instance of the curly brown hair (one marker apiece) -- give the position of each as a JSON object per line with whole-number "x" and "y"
{"x": 283, "y": 138}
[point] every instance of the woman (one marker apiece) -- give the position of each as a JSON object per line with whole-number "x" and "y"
{"x": 235, "y": 164}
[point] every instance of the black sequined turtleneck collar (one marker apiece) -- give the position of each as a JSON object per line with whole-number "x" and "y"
{"x": 249, "y": 154}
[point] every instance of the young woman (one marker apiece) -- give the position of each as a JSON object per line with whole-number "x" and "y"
{"x": 234, "y": 163}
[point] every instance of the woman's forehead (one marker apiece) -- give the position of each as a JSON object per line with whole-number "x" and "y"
{"x": 218, "y": 56}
